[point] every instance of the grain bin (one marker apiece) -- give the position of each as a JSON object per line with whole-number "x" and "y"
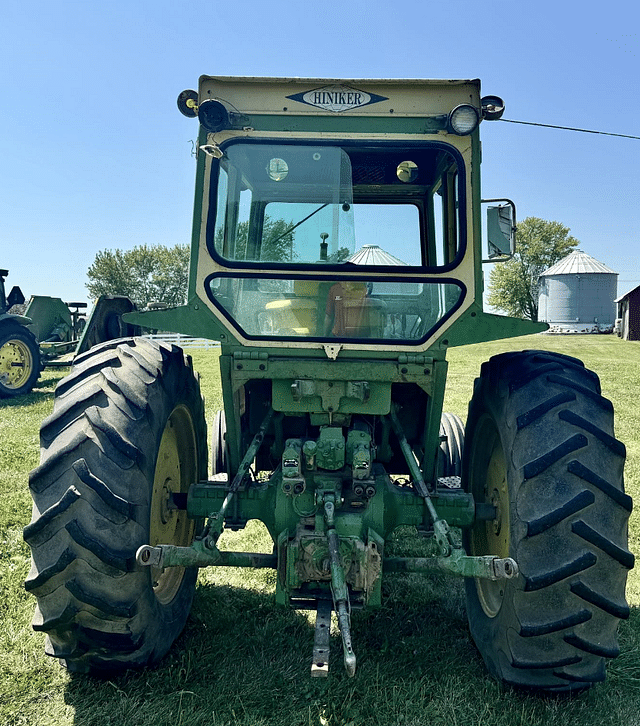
{"x": 375, "y": 255}
{"x": 577, "y": 295}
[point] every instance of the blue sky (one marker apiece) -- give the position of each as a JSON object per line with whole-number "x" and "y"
{"x": 94, "y": 154}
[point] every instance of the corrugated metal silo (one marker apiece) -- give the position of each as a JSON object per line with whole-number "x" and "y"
{"x": 577, "y": 294}
{"x": 375, "y": 255}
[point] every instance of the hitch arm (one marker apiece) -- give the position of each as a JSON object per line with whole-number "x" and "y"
{"x": 215, "y": 523}
{"x": 441, "y": 529}
{"x": 487, "y": 567}
{"x": 339, "y": 588}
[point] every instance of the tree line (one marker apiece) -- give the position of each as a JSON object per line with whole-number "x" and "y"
{"x": 156, "y": 273}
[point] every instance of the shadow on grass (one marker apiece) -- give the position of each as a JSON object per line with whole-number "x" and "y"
{"x": 242, "y": 659}
{"x": 42, "y": 391}
{"x": 53, "y": 379}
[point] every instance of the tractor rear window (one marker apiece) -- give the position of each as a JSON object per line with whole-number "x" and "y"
{"x": 296, "y": 232}
{"x": 335, "y": 309}
{"x": 301, "y": 205}
{"x": 284, "y": 204}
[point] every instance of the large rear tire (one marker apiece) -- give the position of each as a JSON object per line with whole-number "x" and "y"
{"x": 127, "y": 434}
{"x": 540, "y": 447}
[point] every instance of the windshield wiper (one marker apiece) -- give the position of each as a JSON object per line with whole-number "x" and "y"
{"x": 302, "y": 221}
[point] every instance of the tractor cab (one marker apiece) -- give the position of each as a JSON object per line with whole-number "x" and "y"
{"x": 331, "y": 214}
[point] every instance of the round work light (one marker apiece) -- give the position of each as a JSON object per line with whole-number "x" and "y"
{"x": 492, "y": 108}
{"x": 188, "y": 104}
{"x": 463, "y": 120}
{"x": 213, "y": 115}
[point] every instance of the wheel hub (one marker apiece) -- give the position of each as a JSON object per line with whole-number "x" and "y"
{"x": 175, "y": 472}
{"x": 166, "y": 510}
{"x": 489, "y": 484}
{"x": 16, "y": 363}
{"x": 497, "y": 521}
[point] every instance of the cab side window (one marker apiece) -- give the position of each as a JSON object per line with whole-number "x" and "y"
{"x": 445, "y": 228}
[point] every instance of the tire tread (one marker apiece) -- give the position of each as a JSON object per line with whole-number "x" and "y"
{"x": 557, "y": 627}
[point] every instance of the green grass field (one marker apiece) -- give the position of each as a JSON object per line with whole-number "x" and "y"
{"x": 242, "y": 660}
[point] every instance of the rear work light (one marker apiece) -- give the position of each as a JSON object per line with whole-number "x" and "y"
{"x": 213, "y": 115}
{"x": 463, "y": 120}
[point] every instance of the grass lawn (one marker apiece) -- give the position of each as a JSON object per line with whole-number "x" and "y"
{"x": 242, "y": 660}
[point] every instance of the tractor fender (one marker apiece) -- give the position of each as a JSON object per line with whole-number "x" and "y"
{"x": 20, "y": 319}
{"x": 105, "y": 322}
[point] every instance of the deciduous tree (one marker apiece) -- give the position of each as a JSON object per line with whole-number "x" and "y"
{"x": 145, "y": 274}
{"x": 513, "y": 285}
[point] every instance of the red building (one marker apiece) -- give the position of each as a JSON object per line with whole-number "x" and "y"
{"x": 629, "y": 314}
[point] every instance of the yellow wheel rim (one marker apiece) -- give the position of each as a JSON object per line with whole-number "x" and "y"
{"x": 176, "y": 470}
{"x": 489, "y": 484}
{"x": 16, "y": 364}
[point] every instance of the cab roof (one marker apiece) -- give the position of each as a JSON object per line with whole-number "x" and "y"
{"x": 318, "y": 96}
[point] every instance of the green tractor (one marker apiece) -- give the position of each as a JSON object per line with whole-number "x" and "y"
{"x": 50, "y": 333}
{"x": 336, "y": 257}
{"x": 20, "y": 363}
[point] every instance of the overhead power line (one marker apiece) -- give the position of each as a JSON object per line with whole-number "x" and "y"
{"x": 569, "y": 128}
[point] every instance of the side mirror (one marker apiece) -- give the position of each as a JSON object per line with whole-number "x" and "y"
{"x": 501, "y": 230}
